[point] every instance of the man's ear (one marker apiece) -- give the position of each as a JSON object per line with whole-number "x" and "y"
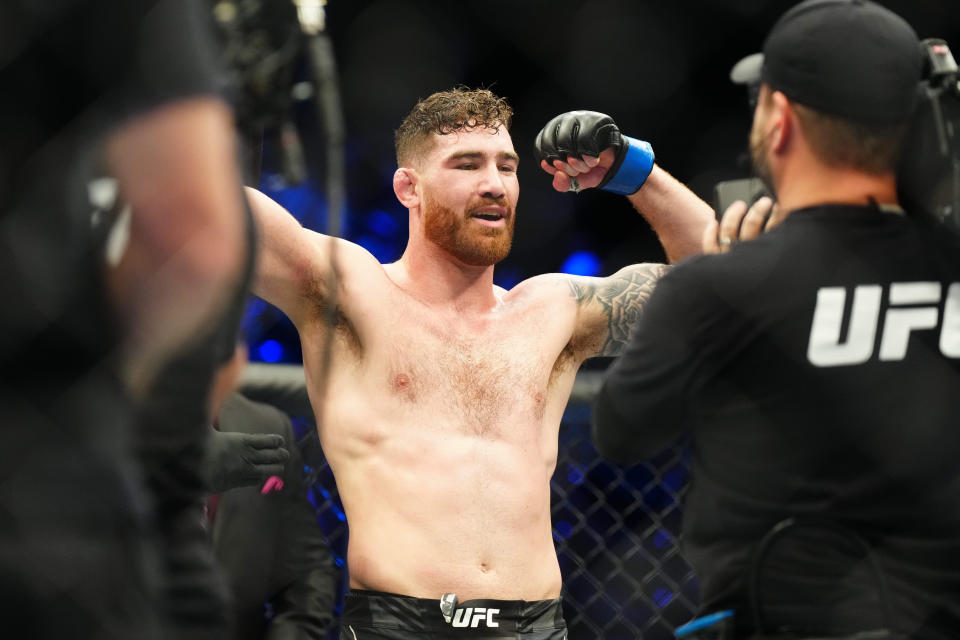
{"x": 782, "y": 121}
{"x": 405, "y": 187}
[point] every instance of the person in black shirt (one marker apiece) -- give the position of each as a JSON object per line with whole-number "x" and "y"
{"x": 269, "y": 543}
{"x": 263, "y": 529}
{"x": 101, "y": 99}
{"x": 817, "y": 365}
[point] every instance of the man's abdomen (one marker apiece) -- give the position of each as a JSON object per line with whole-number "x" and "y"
{"x": 433, "y": 511}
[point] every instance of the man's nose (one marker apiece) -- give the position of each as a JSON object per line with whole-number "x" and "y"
{"x": 491, "y": 183}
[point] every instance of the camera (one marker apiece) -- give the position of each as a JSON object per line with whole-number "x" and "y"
{"x": 928, "y": 178}
{"x": 928, "y": 175}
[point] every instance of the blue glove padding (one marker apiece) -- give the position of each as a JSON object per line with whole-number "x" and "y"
{"x": 634, "y": 163}
{"x": 580, "y": 133}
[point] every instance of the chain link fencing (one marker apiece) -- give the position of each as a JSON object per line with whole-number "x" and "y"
{"x": 617, "y": 536}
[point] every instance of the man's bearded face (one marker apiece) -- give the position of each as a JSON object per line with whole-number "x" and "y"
{"x": 463, "y": 234}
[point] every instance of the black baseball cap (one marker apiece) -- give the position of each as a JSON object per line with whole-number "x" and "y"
{"x": 850, "y": 58}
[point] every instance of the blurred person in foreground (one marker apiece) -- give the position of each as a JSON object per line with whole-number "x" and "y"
{"x": 102, "y": 100}
{"x": 441, "y": 412}
{"x": 817, "y": 365}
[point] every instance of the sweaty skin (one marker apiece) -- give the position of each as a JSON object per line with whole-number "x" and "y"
{"x": 443, "y": 406}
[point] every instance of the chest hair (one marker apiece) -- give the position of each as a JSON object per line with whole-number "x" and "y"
{"x": 486, "y": 384}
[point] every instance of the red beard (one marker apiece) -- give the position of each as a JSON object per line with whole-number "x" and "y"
{"x": 471, "y": 243}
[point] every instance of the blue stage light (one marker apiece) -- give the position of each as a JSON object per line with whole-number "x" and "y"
{"x": 382, "y": 223}
{"x": 662, "y": 597}
{"x": 506, "y": 277}
{"x": 562, "y": 529}
{"x": 661, "y": 539}
{"x": 582, "y": 263}
{"x": 383, "y": 249}
{"x": 270, "y": 351}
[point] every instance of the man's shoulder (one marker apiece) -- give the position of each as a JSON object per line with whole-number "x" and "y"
{"x": 355, "y": 259}
{"x": 362, "y": 278}
{"x": 543, "y": 286}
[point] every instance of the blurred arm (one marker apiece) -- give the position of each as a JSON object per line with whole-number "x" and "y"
{"x": 177, "y": 169}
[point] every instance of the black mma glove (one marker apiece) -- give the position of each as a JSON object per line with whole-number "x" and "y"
{"x": 234, "y": 460}
{"x": 580, "y": 133}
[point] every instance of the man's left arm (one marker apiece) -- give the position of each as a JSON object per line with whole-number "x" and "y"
{"x": 608, "y": 308}
{"x": 676, "y": 214}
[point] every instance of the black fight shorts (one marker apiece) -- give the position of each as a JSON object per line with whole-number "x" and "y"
{"x": 373, "y": 615}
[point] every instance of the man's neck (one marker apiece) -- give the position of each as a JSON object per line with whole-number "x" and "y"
{"x": 811, "y": 185}
{"x": 435, "y": 277}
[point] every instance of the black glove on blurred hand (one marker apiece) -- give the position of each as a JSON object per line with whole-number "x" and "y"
{"x": 234, "y": 460}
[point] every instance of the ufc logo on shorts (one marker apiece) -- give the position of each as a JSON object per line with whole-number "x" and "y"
{"x": 912, "y": 306}
{"x": 470, "y": 617}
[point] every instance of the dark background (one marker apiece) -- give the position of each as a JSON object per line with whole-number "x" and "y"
{"x": 659, "y": 68}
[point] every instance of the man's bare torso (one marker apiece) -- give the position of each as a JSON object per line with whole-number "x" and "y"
{"x": 445, "y": 394}
{"x": 441, "y": 429}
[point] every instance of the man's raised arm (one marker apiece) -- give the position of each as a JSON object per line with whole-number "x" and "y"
{"x": 293, "y": 263}
{"x": 585, "y": 149}
{"x": 676, "y": 214}
{"x": 608, "y": 307}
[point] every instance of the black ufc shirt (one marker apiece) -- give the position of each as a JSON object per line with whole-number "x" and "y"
{"x": 818, "y": 369}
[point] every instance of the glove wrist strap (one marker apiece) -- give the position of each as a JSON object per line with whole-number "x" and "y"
{"x": 636, "y": 165}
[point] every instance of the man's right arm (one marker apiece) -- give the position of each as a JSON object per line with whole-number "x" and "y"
{"x": 293, "y": 263}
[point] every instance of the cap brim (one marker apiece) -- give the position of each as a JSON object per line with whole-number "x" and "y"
{"x": 748, "y": 70}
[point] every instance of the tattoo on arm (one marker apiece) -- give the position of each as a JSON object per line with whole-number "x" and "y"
{"x": 619, "y": 299}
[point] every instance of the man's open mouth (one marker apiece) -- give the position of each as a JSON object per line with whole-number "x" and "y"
{"x": 488, "y": 216}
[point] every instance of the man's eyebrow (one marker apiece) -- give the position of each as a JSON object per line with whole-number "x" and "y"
{"x": 465, "y": 155}
{"x": 477, "y": 155}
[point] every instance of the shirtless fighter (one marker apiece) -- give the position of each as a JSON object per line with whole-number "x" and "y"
{"x": 443, "y": 407}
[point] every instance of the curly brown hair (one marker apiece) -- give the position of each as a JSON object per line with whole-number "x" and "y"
{"x": 446, "y": 112}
